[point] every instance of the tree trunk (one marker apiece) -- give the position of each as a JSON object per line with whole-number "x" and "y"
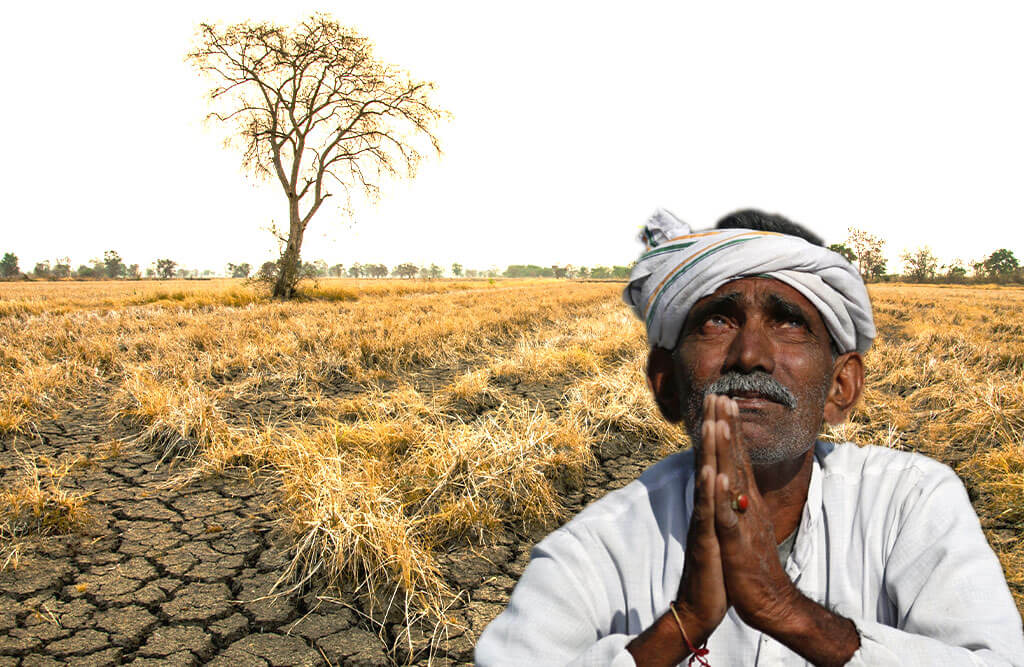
{"x": 288, "y": 264}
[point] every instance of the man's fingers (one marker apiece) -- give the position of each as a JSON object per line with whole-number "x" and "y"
{"x": 704, "y": 483}
{"x": 702, "y": 526}
{"x": 739, "y": 476}
{"x": 726, "y": 459}
{"x": 704, "y": 506}
{"x": 740, "y": 455}
{"x": 726, "y": 519}
{"x": 708, "y": 449}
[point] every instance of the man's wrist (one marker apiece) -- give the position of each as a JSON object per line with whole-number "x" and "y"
{"x": 663, "y": 643}
{"x": 660, "y": 644}
{"x": 697, "y": 632}
{"x": 786, "y": 616}
{"x": 817, "y": 634}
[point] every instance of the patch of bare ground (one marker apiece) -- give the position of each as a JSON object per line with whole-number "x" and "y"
{"x": 169, "y": 574}
{"x": 163, "y": 574}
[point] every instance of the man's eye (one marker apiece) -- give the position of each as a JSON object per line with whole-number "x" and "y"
{"x": 794, "y": 322}
{"x": 716, "y": 321}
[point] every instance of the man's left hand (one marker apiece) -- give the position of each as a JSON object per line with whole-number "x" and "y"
{"x": 757, "y": 585}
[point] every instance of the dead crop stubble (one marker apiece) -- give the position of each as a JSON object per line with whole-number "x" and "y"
{"x": 401, "y": 419}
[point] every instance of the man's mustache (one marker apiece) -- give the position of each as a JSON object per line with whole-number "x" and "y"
{"x": 758, "y": 382}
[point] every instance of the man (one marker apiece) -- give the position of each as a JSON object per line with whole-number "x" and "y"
{"x": 762, "y": 545}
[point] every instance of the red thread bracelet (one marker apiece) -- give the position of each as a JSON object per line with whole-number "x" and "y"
{"x": 695, "y": 653}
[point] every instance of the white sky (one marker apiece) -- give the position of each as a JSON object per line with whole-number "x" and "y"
{"x": 572, "y": 122}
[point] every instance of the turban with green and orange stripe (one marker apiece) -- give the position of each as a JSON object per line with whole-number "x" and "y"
{"x": 679, "y": 267}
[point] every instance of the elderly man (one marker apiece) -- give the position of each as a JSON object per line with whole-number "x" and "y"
{"x": 762, "y": 545}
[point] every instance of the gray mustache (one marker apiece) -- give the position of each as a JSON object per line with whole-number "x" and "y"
{"x": 758, "y": 381}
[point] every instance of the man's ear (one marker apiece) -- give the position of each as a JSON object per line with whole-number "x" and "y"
{"x": 661, "y": 377}
{"x": 847, "y": 386}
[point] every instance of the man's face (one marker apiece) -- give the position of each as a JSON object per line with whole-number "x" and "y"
{"x": 763, "y": 343}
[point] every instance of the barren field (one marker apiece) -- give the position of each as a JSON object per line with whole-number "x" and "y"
{"x": 190, "y": 473}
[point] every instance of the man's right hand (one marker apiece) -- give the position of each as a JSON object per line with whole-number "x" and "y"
{"x": 701, "y": 600}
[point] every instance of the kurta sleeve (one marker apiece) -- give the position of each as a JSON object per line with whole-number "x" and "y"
{"x": 953, "y": 605}
{"x": 559, "y": 612}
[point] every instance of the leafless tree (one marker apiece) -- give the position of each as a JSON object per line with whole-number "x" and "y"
{"x": 869, "y": 251}
{"x": 313, "y": 108}
{"x": 920, "y": 265}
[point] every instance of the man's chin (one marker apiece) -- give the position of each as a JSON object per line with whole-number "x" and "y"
{"x": 765, "y": 446}
{"x": 760, "y": 431}
{"x": 764, "y": 454}
{"x": 769, "y": 457}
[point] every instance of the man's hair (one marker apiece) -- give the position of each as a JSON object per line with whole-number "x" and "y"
{"x": 751, "y": 218}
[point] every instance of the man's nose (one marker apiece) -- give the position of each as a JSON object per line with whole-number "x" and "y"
{"x": 751, "y": 350}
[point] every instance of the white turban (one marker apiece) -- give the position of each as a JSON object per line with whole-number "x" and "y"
{"x": 679, "y": 267}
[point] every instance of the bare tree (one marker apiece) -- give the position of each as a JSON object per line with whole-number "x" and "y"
{"x": 312, "y": 107}
{"x": 920, "y": 265}
{"x": 42, "y": 269}
{"x": 62, "y": 268}
{"x": 869, "y": 251}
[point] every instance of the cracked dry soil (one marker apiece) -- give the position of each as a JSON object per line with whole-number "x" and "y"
{"x": 178, "y": 576}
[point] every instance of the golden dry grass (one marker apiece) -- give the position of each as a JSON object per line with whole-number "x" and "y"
{"x": 26, "y": 298}
{"x": 400, "y": 418}
{"x": 375, "y": 476}
{"x": 34, "y": 503}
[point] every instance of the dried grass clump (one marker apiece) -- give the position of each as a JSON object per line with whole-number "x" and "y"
{"x": 579, "y": 348}
{"x": 473, "y": 390}
{"x": 618, "y": 403}
{"x": 35, "y": 504}
{"x": 371, "y": 503}
{"x": 32, "y": 383}
{"x": 1000, "y": 476}
{"x": 181, "y": 418}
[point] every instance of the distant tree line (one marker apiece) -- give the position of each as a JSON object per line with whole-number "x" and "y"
{"x": 110, "y": 266}
{"x": 864, "y": 250}
{"x": 920, "y": 265}
{"x": 568, "y": 271}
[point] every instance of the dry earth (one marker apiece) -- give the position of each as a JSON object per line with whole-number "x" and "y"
{"x": 181, "y": 574}
{"x": 184, "y": 573}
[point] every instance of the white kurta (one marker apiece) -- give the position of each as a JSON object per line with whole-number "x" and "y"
{"x": 887, "y": 539}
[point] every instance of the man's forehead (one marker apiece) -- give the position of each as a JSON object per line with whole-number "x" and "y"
{"x": 762, "y": 291}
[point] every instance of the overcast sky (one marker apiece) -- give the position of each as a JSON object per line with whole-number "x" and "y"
{"x": 572, "y": 121}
